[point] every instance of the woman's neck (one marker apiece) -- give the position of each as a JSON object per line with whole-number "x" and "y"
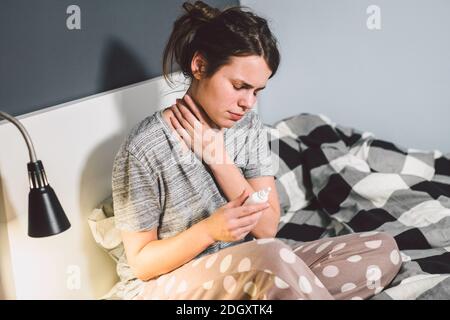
{"x": 193, "y": 92}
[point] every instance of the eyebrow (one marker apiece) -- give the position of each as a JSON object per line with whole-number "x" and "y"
{"x": 248, "y": 86}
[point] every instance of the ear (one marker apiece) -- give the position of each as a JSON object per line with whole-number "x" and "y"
{"x": 198, "y": 66}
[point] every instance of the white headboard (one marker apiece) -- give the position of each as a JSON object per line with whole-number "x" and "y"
{"x": 77, "y": 142}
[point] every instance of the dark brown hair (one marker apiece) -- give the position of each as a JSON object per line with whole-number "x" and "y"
{"x": 218, "y": 35}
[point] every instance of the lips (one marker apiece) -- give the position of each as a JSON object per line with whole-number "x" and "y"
{"x": 235, "y": 116}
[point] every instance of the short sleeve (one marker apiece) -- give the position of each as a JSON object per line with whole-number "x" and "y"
{"x": 135, "y": 194}
{"x": 259, "y": 161}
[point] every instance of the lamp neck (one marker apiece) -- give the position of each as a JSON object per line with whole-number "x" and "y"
{"x": 24, "y": 132}
{"x": 36, "y": 175}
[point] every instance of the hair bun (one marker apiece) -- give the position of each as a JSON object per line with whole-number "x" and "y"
{"x": 201, "y": 11}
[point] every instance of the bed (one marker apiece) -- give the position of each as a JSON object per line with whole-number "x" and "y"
{"x": 331, "y": 180}
{"x": 335, "y": 180}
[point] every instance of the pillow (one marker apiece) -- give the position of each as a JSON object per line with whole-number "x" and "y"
{"x": 101, "y": 223}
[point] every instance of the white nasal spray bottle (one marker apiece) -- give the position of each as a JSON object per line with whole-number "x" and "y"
{"x": 260, "y": 196}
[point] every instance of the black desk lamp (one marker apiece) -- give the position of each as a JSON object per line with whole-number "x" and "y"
{"x": 46, "y": 217}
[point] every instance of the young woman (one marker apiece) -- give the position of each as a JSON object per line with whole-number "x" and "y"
{"x": 182, "y": 176}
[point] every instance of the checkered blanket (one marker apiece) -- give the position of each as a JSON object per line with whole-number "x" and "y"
{"x": 334, "y": 180}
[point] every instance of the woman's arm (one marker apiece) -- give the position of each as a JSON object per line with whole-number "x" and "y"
{"x": 149, "y": 257}
{"x": 228, "y": 176}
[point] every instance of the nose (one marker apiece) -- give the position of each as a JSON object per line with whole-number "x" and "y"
{"x": 247, "y": 101}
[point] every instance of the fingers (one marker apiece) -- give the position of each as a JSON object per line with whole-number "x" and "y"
{"x": 199, "y": 113}
{"x": 250, "y": 209}
{"x": 191, "y": 114}
{"x": 183, "y": 119}
{"x": 181, "y": 134}
{"x": 238, "y": 201}
{"x": 242, "y": 232}
{"x": 192, "y": 126}
{"x": 194, "y": 109}
{"x": 249, "y": 220}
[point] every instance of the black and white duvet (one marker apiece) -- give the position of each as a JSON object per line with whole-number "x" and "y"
{"x": 334, "y": 180}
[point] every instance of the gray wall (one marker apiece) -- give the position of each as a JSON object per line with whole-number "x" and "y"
{"x": 394, "y": 82}
{"x": 43, "y": 63}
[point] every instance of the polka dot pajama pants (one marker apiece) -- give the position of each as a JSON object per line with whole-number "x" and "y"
{"x": 355, "y": 266}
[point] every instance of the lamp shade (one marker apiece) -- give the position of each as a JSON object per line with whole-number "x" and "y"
{"x": 46, "y": 216}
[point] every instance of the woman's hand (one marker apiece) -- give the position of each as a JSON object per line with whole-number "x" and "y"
{"x": 232, "y": 222}
{"x": 198, "y": 132}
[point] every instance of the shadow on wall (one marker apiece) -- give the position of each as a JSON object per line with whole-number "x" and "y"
{"x": 120, "y": 63}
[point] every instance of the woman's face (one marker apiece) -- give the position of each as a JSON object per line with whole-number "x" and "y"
{"x": 231, "y": 92}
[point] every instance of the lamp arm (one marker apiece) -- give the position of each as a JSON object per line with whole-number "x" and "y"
{"x": 24, "y": 132}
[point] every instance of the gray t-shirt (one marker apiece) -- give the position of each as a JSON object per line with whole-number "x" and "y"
{"x": 156, "y": 185}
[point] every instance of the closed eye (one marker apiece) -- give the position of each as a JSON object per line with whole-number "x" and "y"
{"x": 255, "y": 93}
